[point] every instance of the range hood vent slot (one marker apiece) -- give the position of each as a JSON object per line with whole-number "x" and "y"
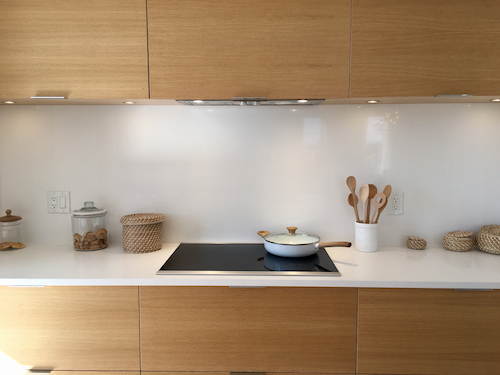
{"x": 250, "y": 102}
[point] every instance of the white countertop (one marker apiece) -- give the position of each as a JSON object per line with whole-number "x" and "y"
{"x": 392, "y": 267}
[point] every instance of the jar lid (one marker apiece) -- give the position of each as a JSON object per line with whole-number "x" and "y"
{"x": 142, "y": 219}
{"x": 89, "y": 209}
{"x": 8, "y": 218}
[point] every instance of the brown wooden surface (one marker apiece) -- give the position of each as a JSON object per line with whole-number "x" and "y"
{"x": 77, "y": 49}
{"x": 425, "y": 48}
{"x": 210, "y": 373}
{"x": 95, "y": 373}
{"x": 422, "y": 331}
{"x": 71, "y": 328}
{"x": 248, "y": 329}
{"x": 220, "y": 49}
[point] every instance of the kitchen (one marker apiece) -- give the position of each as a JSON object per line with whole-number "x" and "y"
{"x": 221, "y": 173}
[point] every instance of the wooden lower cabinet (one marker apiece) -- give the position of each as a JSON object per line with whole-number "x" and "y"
{"x": 423, "y": 331}
{"x": 70, "y": 328}
{"x": 222, "y": 329}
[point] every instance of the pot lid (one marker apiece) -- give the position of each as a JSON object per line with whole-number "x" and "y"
{"x": 8, "y": 218}
{"x": 292, "y": 238}
{"x": 89, "y": 209}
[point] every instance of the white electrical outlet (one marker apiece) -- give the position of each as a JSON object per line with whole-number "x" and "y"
{"x": 396, "y": 204}
{"x": 58, "y": 202}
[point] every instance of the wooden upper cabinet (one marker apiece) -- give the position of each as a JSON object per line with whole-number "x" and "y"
{"x": 71, "y": 328}
{"x": 77, "y": 49}
{"x": 221, "y": 329}
{"x": 434, "y": 332}
{"x": 425, "y": 48}
{"x": 277, "y": 49}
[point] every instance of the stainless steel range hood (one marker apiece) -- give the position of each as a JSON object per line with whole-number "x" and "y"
{"x": 250, "y": 101}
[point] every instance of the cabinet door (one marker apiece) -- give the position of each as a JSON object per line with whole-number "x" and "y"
{"x": 77, "y": 49}
{"x": 70, "y": 328}
{"x": 425, "y": 48}
{"x": 419, "y": 331}
{"x": 220, "y": 49}
{"x": 224, "y": 329}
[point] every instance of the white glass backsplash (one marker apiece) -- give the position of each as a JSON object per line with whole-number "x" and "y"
{"x": 220, "y": 174}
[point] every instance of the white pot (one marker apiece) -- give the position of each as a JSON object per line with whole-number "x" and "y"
{"x": 295, "y": 244}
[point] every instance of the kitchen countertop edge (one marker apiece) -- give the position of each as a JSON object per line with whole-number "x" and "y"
{"x": 389, "y": 267}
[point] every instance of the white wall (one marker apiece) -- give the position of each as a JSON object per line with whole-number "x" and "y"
{"x": 221, "y": 174}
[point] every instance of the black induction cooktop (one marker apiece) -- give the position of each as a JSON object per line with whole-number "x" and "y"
{"x": 243, "y": 259}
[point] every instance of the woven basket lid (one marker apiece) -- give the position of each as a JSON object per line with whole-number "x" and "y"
{"x": 142, "y": 219}
{"x": 460, "y": 234}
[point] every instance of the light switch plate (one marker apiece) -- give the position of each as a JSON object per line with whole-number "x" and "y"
{"x": 58, "y": 202}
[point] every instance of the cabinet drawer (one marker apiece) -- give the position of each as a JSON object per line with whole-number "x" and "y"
{"x": 224, "y": 329}
{"x": 71, "y": 328}
{"x": 428, "y": 331}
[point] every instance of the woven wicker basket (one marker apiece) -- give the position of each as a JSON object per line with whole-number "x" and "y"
{"x": 142, "y": 232}
{"x": 458, "y": 241}
{"x": 488, "y": 239}
{"x": 416, "y": 243}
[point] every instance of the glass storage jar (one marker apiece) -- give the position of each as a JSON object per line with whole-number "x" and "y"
{"x": 89, "y": 228}
{"x": 10, "y": 232}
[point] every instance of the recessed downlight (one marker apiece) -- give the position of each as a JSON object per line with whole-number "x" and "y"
{"x": 372, "y": 101}
{"x": 8, "y": 102}
{"x": 129, "y": 102}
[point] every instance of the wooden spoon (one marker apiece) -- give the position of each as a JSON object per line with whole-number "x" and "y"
{"x": 387, "y": 192}
{"x": 378, "y": 201}
{"x": 371, "y": 194}
{"x": 364, "y": 190}
{"x": 351, "y": 184}
{"x": 353, "y": 201}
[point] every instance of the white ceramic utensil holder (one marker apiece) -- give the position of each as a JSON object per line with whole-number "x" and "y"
{"x": 365, "y": 237}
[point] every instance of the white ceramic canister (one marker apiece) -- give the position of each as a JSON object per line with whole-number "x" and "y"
{"x": 365, "y": 237}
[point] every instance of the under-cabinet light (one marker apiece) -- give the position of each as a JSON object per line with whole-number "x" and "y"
{"x": 495, "y": 100}
{"x": 372, "y": 101}
{"x": 302, "y": 101}
{"x": 8, "y": 102}
{"x": 128, "y": 102}
{"x": 198, "y": 101}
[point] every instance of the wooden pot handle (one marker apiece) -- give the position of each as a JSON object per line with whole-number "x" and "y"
{"x": 263, "y": 233}
{"x": 322, "y": 245}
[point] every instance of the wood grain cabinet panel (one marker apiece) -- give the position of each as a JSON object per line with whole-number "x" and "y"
{"x": 221, "y": 329}
{"x": 77, "y": 49}
{"x": 419, "y": 331}
{"x": 95, "y": 373}
{"x": 71, "y": 328}
{"x": 220, "y": 49}
{"x": 425, "y": 48}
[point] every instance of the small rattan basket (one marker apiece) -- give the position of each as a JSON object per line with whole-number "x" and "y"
{"x": 416, "y": 243}
{"x": 458, "y": 241}
{"x": 488, "y": 239}
{"x": 142, "y": 232}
